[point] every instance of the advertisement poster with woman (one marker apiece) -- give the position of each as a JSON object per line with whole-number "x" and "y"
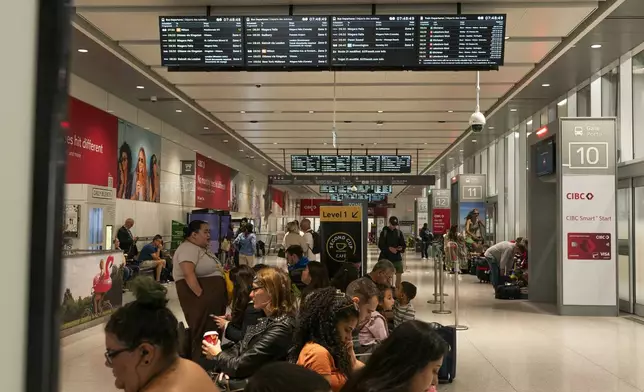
{"x": 138, "y": 164}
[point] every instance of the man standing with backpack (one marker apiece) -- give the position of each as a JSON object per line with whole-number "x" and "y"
{"x": 312, "y": 239}
{"x": 426, "y": 237}
{"x": 392, "y": 245}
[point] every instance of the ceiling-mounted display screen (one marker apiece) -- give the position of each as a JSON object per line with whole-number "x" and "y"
{"x": 456, "y": 41}
{"x": 334, "y": 43}
{"x": 399, "y": 164}
{"x": 377, "y": 41}
{"x": 287, "y": 41}
{"x": 201, "y": 42}
{"x": 358, "y": 196}
{"x": 378, "y": 189}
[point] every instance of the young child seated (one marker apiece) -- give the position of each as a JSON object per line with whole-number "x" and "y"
{"x": 375, "y": 329}
{"x": 403, "y": 309}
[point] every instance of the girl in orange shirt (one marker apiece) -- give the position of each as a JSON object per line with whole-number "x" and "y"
{"x": 323, "y": 340}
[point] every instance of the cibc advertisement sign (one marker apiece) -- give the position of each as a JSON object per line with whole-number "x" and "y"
{"x": 440, "y": 202}
{"x": 587, "y": 187}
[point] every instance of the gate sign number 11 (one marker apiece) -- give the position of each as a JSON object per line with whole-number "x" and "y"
{"x": 472, "y": 192}
{"x": 588, "y": 155}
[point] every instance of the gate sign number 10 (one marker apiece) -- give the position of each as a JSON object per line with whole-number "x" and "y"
{"x": 588, "y": 155}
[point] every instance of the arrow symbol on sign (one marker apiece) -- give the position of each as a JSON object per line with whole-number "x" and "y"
{"x": 355, "y": 214}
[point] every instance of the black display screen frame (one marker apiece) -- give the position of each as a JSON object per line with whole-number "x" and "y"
{"x": 265, "y": 68}
{"x": 295, "y": 157}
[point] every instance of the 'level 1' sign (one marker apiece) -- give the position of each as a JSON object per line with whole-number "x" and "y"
{"x": 340, "y": 214}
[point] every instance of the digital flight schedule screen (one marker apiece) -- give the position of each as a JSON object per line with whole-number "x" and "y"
{"x": 287, "y": 41}
{"x": 373, "y": 41}
{"x": 202, "y": 42}
{"x": 465, "y": 41}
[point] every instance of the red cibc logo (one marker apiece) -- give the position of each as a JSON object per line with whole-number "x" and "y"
{"x": 580, "y": 196}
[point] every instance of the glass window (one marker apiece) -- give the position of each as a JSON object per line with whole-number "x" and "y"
{"x": 562, "y": 108}
{"x": 610, "y": 93}
{"x": 638, "y": 105}
{"x": 583, "y": 102}
{"x": 491, "y": 172}
{"x": 623, "y": 215}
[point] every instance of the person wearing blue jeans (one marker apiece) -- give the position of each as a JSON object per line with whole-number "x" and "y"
{"x": 500, "y": 257}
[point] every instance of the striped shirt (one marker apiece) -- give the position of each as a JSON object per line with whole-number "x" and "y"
{"x": 403, "y": 313}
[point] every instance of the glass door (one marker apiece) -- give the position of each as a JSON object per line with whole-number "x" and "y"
{"x": 624, "y": 262}
{"x": 638, "y": 251}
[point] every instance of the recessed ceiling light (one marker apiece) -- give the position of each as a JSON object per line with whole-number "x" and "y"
{"x": 375, "y": 144}
{"x": 242, "y": 111}
{"x": 380, "y": 111}
{"x": 241, "y": 150}
{"x": 252, "y": 157}
{"x": 274, "y": 142}
{"x": 140, "y": 87}
{"x": 596, "y": 46}
{"x": 110, "y": 111}
{"x": 451, "y": 158}
{"x": 178, "y": 110}
{"x": 425, "y": 143}
{"x": 311, "y": 111}
{"x": 474, "y": 140}
{"x": 562, "y": 102}
{"x": 325, "y": 143}
{"x": 272, "y": 169}
{"x": 506, "y": 37}
{"x": 513, "y": 110}
{"x": 225, "y": 140}
{"x": 263, "y": 164}
{"x": 206, "y": 128}
{"x": 147, "y": 128}
{"x": 450, "y": 111}
{"x": 195, "y": 150}
{"x": 490, "y": 127}
{"x": 545, "y": 85}
{"x": 83, "y": 50}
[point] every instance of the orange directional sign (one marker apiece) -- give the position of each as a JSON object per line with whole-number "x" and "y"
{"x": 340, "y": 214}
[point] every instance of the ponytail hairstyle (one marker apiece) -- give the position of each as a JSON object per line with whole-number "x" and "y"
{"x": 147, "y": 319}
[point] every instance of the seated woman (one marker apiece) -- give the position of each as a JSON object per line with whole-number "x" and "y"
{"x": 315, "y": 276}
{"x": 141, "y": 346}
{"x": 267, "y": 341}
{"x": 243, "y": 313}
{"x": 323, "y": 339}
{"x": 286, "y": 377}
{"x": 409, "y": 360}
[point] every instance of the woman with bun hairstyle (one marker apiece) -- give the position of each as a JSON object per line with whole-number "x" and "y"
{"x": 267, "y": 341}
{"x": 407, "y": 361}
{"x": 323, "y": 339}
{"x": 200, "y": 283}
{"x": 141, "y": 346}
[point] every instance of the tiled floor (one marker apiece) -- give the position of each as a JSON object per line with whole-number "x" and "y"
{"x": 510, "y": 346}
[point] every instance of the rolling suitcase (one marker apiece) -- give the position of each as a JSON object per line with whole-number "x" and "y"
{"x": 447, "y": 372}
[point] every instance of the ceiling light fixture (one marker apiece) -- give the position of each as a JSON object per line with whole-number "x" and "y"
{"x": 513, "y": 110}
{"x": 425, "y": 143}
{"x": 274, "y": 142}
{"x": 379, "y": 123}
{"x": 241, "y": 150}
{"x": 563, "y": 102}
{"x": 311, "y": 111}
{"x": 380, "y": 111}
{"x": 506, "y": 37}
{"x": 242, "y": 111}
{"x": 225, "y": 140}
{"x": 140, "y": 87}
{"x": 596, "y": 46}
{"x": 474, "y": 140}
{"x": 83, "y": 50}
{"x": 206, "y": 128}
{"x": 545, "y": 85}
{"x": 375, "y": 144}
{"x": 325, "y": 143}
{"x": 178, "y": 110}
{"x": 147, "y": 128}
{"x": 490, "y": 127}
{"x": 110, "y": 111}
{"x": 450, "y": 111}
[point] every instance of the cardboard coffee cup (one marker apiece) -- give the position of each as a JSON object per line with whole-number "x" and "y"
{"x": 211, "y": 337}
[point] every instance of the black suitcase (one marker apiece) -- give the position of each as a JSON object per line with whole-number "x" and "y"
{"x": 507, "y": 292}
{"x": 447, "y": 372}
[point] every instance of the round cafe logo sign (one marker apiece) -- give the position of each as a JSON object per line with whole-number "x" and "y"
{"x": 340, "y": 246}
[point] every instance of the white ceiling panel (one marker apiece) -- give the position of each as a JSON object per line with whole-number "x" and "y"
{"x": 357, "y": 105}
{"x": 312, "y": 127}
{"x": 341, "y": 116}
{"x": 344, "y": 92}
{"x": 506, "y": 74}
{"x": 531, "y": 52}
{"x": 436, "y": 135}
{"x": 135, "y": 24}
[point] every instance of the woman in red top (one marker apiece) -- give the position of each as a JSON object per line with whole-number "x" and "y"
{"x": 323, "y": 340}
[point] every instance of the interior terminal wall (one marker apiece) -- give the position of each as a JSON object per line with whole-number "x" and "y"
{"x": 404, "y": 210}
{"x": 177, "y": 192}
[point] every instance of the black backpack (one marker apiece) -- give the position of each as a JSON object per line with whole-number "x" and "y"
{"x": 317, "y": 242}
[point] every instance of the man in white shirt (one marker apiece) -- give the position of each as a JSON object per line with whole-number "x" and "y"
{"x": 305, "y": 225}
{"x": 500, "y": 258}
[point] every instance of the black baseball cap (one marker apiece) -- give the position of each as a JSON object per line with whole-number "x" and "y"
{"x": 393, "y": 221}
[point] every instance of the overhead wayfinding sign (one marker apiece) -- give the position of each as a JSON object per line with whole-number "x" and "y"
{"x": 343, "y": 42}
{"x": 358, "y": 196}
{"x": 351, "y": 180}
{"x": 351, "y": 164}
{"x": 378, "y": 189}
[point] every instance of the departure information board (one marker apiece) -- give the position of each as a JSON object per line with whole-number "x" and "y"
{"x": 373, "y": 41}
{"x": 461, "y": 40}
{"x": 202, "y": 42}
{"x": 287, "y": 41}
{"x": 358, "y": 196}
{"x": 351, "y": 164}
{"x": 378, "y": 189}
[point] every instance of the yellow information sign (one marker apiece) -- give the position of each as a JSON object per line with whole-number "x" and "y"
{"x": 340, "y": 214}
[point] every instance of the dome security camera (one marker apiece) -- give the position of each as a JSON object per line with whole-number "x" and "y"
{"x": 477, "y": 122}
